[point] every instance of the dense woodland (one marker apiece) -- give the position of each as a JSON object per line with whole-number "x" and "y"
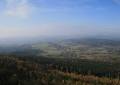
{"x": 28, "y": 71}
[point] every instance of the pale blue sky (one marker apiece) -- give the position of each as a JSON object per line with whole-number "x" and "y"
{"x": 33, "y": 18}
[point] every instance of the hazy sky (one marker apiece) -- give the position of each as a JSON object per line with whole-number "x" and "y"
{"x": 33, "y": 18}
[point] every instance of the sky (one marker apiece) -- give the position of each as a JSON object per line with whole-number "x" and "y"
{"x": 52, "y": 18}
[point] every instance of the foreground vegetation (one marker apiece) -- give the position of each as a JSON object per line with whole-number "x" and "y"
{"x": 27, "y": 71}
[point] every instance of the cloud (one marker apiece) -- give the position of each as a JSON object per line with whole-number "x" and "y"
{"x": 24, "y": 8}
{"x": 18, "y": 8}
{"x": 63, "y": 6}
